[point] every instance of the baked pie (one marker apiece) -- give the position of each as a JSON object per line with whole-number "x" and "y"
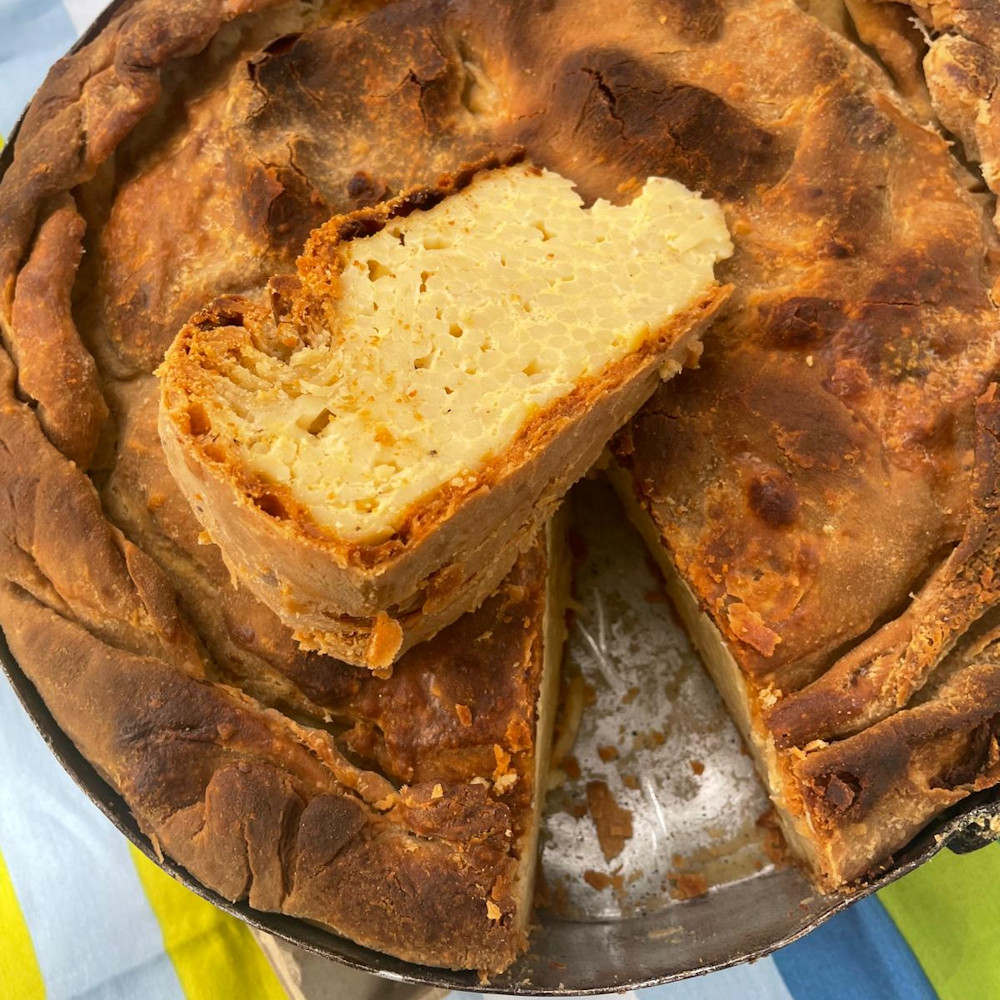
{"x": 822, "y": 490}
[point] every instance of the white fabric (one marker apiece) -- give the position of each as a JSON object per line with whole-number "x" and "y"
{"x": 83, "y": 12}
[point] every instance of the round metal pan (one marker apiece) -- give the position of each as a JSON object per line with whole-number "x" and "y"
{"x": 608, "y": 944}
{"x": 570, "y": 957}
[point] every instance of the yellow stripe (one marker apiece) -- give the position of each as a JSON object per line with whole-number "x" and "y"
{"x": 214, "y": 954}
{"x": 19, "y": 973}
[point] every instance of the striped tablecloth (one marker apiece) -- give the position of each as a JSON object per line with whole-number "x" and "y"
{"x": 84, "y": 915}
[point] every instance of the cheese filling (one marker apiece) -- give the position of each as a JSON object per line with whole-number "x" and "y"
{"x": 451, "y": 328}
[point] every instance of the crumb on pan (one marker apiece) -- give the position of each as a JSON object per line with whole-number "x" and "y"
{"x": 613, "y": 823}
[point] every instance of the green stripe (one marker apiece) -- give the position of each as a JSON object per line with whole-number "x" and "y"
{"x": 949, "y": 912}
{"x": 19, "y": 973}
{"x": 214, "y": 954}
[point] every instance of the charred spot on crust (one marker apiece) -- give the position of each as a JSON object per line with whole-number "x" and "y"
{"x": 887, "y": 340}
{"x": 801, "y": 321}
{"x": 359, "y": 228}
{"x": 865, "y": 124}
{"x": 282, "y": 289}
{"x": 653, "y": 125}
{"x": 982, "y": 750}
{"x": 227, "y": 311}
{"x": 932, "y": 275}
{"x": 282, "y": 44}
{"x": 839, "y": 249}
{"x": 464, "y": 175}
{"x": 773, "y": 498}
{"x": 327, "y": 825}
{"x": 365, "y": 190}
{"x": 420, "y": 199}
{"x": 841, "y": 790}
{"x": 848, "y": 380}
{"x": 295, "y": 209}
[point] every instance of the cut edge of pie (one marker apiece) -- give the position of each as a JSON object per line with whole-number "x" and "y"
{"x": 844, "y": 806}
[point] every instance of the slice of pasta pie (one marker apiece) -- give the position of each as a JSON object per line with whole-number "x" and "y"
{"x": 373, "y": 451}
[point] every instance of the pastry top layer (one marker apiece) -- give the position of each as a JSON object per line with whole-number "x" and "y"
{"x": 394, "y": 811}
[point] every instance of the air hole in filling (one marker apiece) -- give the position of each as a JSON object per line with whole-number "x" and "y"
{"x": 532, "y": 368}
{"x": 378, "y": 270}
{"x": 455, "y": 330}
{"x": 546, "y": 235}
{"x": 198, "y": 420}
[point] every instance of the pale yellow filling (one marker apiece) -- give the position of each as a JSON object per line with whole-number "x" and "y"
{"x": 454, "y": 326}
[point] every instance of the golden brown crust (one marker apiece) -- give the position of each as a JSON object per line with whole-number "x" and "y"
{"x": 54, "y": 368}
{"x": 882, "y": 674}
{"x": 961, "y": 66}
{"x": 89, "y": 103}
{"x": 866, "y": 795}
{"x": 889, "y": 30}
{"x": 818, "y": 465}
{"x": 823, "y": 460}
{"x": 106, "y": 612}
{"x": 250, "y": 811}
{"x": 254, "y": 805}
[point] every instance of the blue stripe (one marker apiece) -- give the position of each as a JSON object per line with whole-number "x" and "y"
{"x": 94, "y": 932}
{"x": 35, "y": 34}
{"x": 759, "y": 981}
{"x": 858, "y": 955}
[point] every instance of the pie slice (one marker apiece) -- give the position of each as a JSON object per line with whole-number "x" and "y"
{"x": 372, "y": 452}
{"x": 821, "y": 494}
